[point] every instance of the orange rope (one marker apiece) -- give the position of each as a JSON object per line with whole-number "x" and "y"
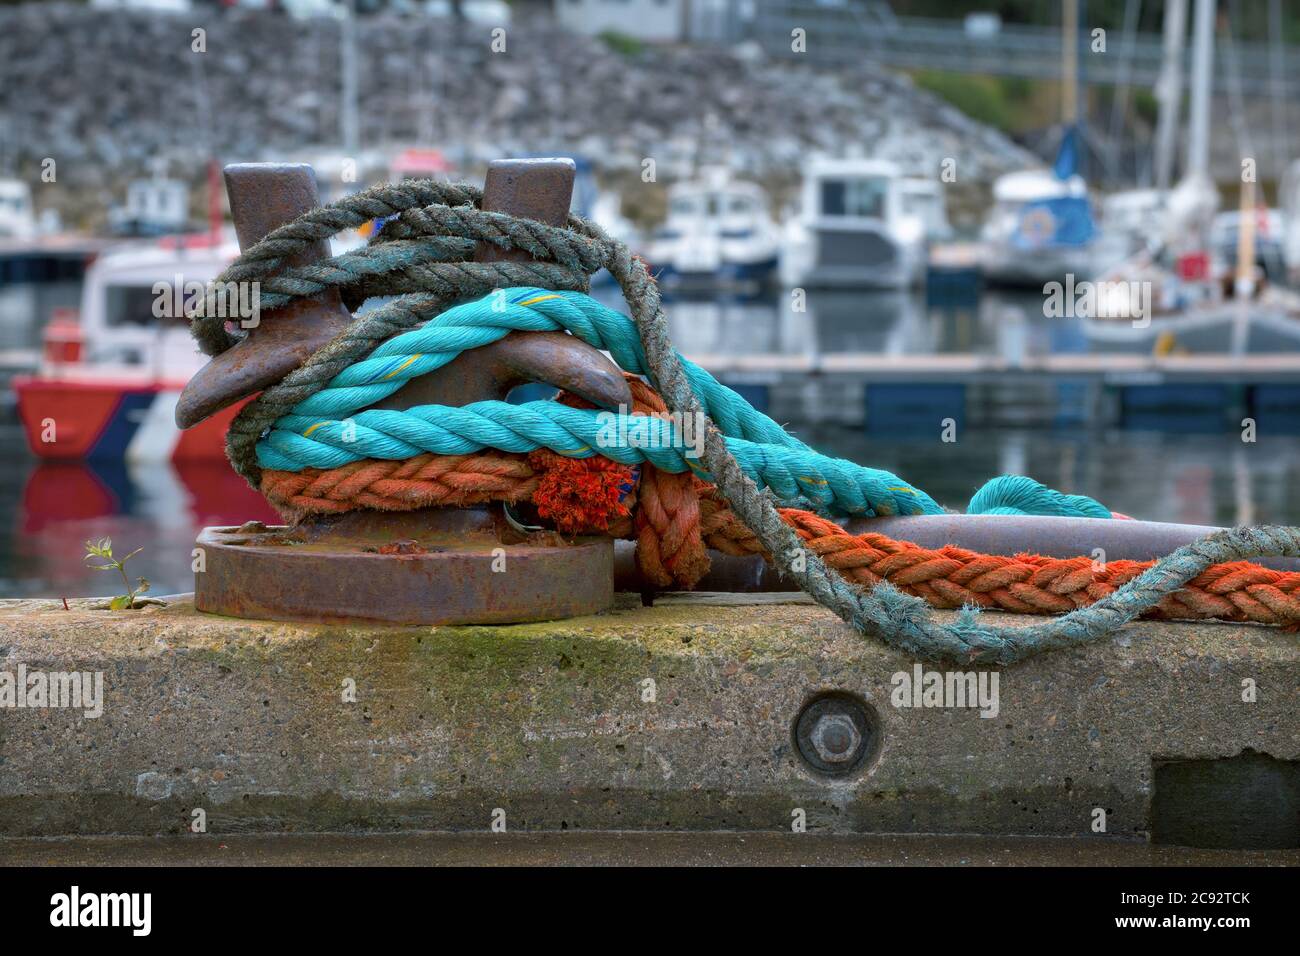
{"x": 952, "y": 577}
{"x": 676, "y": 518}
{"x": 420, "y": 482}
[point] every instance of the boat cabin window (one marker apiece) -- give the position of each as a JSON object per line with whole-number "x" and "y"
{"x": 739, "y": 205}
{"x": 133, "y": 306}
{"x": 863, "y": 198}
{"x": 710, "y": 205}
{"x": 14, "y": 203}
{"x": 154, "y": 200}
{"x": 686, "y": 205}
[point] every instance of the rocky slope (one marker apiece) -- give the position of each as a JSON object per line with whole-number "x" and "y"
{"x": 105, "y": 93}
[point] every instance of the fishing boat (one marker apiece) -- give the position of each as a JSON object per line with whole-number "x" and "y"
{"x": 718, "y": 235}
{"x": 110, "y": 375}
{"x": 861, "y": 226}
{"x": 156, "y": 206}
{"x": 1039, "y": 229}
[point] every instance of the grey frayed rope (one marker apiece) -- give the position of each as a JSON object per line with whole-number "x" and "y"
{"x": 415, "y": 256}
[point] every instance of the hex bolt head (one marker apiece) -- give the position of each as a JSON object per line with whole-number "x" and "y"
{"x": 837, "y": 733}
{"x": 835, "y": 738}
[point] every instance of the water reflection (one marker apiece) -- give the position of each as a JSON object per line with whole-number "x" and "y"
{"x": 56, "y": 506}
{"x": 1004, "y": 324}
{"x": 1215, "y": 480}
{"x": 1190, "y": 479}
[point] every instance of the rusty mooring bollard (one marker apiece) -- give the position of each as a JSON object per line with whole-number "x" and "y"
{"x": 434, "y": 565}
{"x": 264, "y": 196}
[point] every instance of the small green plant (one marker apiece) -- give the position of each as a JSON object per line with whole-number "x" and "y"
{"x": 621, "y": 43}
{"x": 103, "y": 549}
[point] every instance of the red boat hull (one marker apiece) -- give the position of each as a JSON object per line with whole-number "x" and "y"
{"x": 71, "y": 419}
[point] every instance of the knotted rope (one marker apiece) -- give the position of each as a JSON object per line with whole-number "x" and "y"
{"x": 677, "y": 518}
{"x": 739, "y": 446}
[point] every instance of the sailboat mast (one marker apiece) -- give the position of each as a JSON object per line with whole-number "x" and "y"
{"x": 1170, "y": 91}
{"x": 1070, "y": 62}
{"x": 1277, "y": 70}
{"x": 348, "y": 117}
{"x": 1198, "y": 131}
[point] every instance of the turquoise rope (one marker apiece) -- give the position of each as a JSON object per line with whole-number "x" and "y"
{"x": 833, "y": 485}
{"x": 323, "y": 432}
{"x": 1018, "y": 495}
{"x": 485, "y": 320}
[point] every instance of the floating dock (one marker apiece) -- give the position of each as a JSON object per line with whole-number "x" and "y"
{"x": 1203, "y": 392}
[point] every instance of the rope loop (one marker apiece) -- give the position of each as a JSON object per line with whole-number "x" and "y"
{"x": 316, "y": 418}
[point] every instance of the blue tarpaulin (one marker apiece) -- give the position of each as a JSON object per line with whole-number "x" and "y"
{"x": 1067, "y": 155}
{"x": 1065, "y": 220}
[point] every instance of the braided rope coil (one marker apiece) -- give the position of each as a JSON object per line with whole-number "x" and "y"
{"x": 678, "y": 518}
{"x": 431, "y": 285}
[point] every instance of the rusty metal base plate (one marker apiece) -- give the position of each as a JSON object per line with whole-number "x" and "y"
{"x": 273, "y": 573}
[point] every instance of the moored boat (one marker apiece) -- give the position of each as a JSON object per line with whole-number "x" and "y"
{"x": 109, "y": 377}
{"x": 156, "y": 206}
{"x": 855, "y": 229}
{"x": 719, "y": 235}
{"x": 1039, "y": 229}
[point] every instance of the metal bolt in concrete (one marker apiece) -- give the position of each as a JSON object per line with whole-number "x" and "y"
{"x": 835, "y": 738}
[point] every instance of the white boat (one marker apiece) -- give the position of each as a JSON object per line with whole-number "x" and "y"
{"x": 154, "y": 207}
{"x": 856, "y": 229}
{"x": 719, "y": 234}
{"x": 17, "y": 220}
{"x": 923, "y": 199}
{"x": 1026, "y": 239}
{"x": 1130, "y": 218}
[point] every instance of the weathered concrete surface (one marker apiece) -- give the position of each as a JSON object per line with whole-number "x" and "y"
{"x": 748, "y": 848}
{"x": 246, "y": 721}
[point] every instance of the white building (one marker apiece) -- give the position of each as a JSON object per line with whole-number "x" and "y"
{"x": 652, "y": 20}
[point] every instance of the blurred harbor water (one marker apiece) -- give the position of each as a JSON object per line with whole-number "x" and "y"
{"x": 1209, "y": 476}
